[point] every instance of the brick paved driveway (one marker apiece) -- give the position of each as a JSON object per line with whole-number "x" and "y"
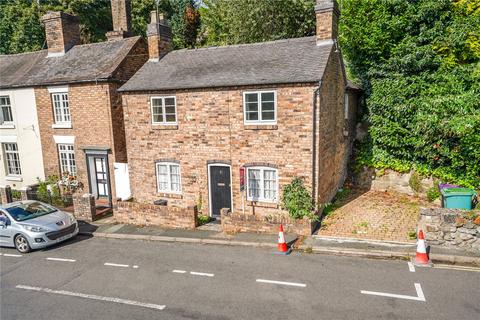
{"x": 374, "y": 215}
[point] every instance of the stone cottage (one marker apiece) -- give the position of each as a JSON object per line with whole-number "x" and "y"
{"x": 80, "y": 113}
{"x": 228, "y": 127}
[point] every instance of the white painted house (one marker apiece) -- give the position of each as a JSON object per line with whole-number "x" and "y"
{"x": 21, "y": 151}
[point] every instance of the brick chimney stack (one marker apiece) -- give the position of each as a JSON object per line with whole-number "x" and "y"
{"x": 159, "y": 36}
{"x": 122, "y": 20}
{"x": 328, "y": 14}
{"x": 62, "y": 31}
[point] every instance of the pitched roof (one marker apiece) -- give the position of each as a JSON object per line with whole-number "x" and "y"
{"x": 298, "y": 60}
{"x": 82, "y": 63}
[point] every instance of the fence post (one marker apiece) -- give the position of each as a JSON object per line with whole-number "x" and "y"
{"x": 6, "y": 194}
{"x": 24, "y": 193}
{"x": 84, "y": 206}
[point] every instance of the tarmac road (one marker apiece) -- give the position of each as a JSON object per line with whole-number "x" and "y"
{"x": 92, "y": 278}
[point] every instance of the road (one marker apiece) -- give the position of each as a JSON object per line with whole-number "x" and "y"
{"x": 91, "y": 278}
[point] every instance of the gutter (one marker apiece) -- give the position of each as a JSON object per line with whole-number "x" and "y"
{"x": 316, "y": 95}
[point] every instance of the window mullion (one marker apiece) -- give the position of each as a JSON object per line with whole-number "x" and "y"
{"x": 259, "y": 107}
{"x": 164, "y": 115}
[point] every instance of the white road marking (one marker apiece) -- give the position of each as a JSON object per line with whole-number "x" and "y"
{"x": 12, "y": 255}
{"x": 303, "y": 285}
{"x": 135, "y": 267}
{"x": 93, "y": 297}
{"x": 458, "y": 268}
{"x": 420, "y": 296}
{"x": 60, "y": 259}
{"x": 116, "y": 265}
{"x": 411, "y": 267}
{"x": 179, "y": 271}
{"x": 202, "y": 274}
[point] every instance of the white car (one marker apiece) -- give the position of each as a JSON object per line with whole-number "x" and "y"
{"x": 30, "y": 224}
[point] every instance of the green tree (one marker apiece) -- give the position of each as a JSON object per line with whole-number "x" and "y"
{"x": 20, "y": 27}
{"x": 246, "y": 21}
{"x": 419, "y": 62}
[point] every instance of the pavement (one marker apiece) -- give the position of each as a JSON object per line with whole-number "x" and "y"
{"x": 92, "y": 278}
{"x": 314, "y": 244}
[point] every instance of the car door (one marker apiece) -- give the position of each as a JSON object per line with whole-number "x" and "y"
{"x": 6, "y": 231}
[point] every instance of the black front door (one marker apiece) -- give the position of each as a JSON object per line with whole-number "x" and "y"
{"x": 220, "y": 189}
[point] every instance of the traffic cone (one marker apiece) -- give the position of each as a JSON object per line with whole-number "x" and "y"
{"x": 282, "y": 244}
{"x": 421, "y": 257}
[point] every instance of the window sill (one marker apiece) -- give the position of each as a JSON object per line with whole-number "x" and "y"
{"x": 14, "y": 178}
{"x": 260, "y": 127}
{"x": 165, "y": 126}
{"x": 7, "y": 126}
{"x": 273, "y": 205}
{"x": 170, "y": 195}
{"x": 62, "y": 126}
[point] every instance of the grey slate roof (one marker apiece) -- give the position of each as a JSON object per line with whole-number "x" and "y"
{"x": 297, "y": 60}
{"x": 82, "y": 63}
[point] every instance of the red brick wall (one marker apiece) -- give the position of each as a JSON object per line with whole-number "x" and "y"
{"x": 150, "y": 214}
{"x": 333, "y": 146}
{"x": 238, "y": 222}
{"x": 90, "y": 111}
{"x": 211, "y": 128}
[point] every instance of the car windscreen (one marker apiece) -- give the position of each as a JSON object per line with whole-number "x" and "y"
{"x": 30, "y": 210}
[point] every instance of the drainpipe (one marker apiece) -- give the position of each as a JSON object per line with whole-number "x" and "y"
{"x": 316, "y": 95}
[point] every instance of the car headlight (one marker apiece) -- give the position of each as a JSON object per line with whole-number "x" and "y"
{"x": 72, "y": 219}
{"x": 34, "y": 228}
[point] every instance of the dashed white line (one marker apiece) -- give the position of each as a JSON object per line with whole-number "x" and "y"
{"x": 60, "y": 259}
{"x": 411, "y": 267}
{"x": 12, "y": 255}
{"x": 179, "y": 271}
{"x": 202, "y": 274}
{"x": 420, "y": 296}
{"x": 116, "y": 265}
{"x": 93, "y": 297}
{"x": 135, "y": 267}
{"x": 303, "y": 285}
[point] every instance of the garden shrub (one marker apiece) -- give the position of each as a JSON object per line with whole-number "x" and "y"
{"x": 298, "y": 200}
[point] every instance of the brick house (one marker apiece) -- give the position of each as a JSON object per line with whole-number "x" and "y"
{"x": 228, "y": 127}
{"x": 79, "y": 111}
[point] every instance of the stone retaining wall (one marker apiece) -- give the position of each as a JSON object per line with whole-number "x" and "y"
{"x": 451, "y": 228}
{"x": 389, "y": 180}
{"x": 233, "y": 222}
{"x": 145, "y": 214}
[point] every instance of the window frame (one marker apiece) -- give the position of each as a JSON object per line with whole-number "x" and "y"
{"x": 164, "y": 122}
{"x": 67, "y": 152}
{"x": 62, "y": 114}
{"x": 169, "y": 165}
{"x": 6, "y": 159}
{"x": 259, "y": 104}
{"x": 5, "y": 122}
{"x": 262, "y": 184}
{"x": 346, "y": 102}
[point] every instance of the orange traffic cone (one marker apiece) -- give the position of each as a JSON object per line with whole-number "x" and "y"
{"x": 282, "y": 244}
{"x": 421, "y": 257}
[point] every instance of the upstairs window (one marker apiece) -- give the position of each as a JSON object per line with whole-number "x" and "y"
{"x": 262, "y": 184}
{"x": 6, "y": 109}
{"x": 164, "y": 110}
{"x": 12, "y": 159}
{"x": 67, "y": 159}
{"x": 168, "y": 177}
{"x": 260, "y": 107}
{"x": 61, "y": 108}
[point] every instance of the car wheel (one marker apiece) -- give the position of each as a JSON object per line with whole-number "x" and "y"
{"x": 21, "y": 244}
